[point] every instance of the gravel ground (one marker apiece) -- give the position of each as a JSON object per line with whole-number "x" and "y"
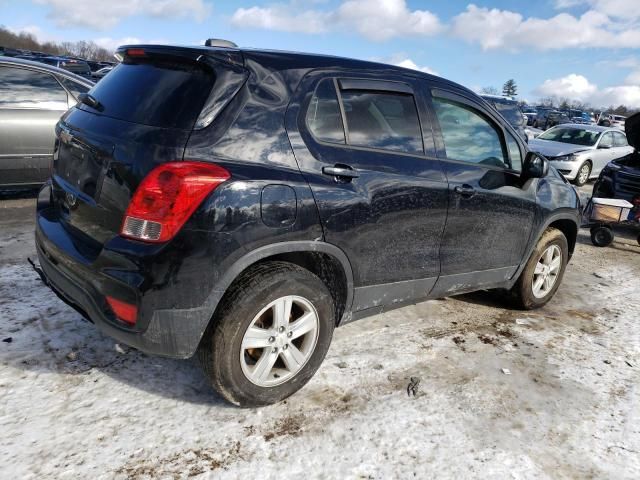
{"x": 73, "y": 404}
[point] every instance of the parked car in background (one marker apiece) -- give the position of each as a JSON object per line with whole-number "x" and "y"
{"x": 621, "y": 177}
{"x": 580, "y": 152}
{"x": 33, "y": 96}
{"x": 510, "y": 110}
{"x": 550, "y": 118}
{"x": 240, "y": 204}
{"x": 531, "y": 118}
{"x": 102, "y": 72}
{"x": 79, "y": 67}
{"x": 610, "y": 120}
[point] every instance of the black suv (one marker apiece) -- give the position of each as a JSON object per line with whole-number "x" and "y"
{"x": 239, "y": 204}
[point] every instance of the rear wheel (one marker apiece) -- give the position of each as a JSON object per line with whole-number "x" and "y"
{"x": 270, "y": 336}
{"x": 583, "y": 174}
{"x": 543, "y": 273}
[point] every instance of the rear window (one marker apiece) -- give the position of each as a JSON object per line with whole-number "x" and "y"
{"x": 162, "y": 94}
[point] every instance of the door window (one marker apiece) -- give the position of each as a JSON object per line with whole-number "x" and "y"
{"x": 607, "y": 140}
{"x": 468, "y": 135}
{"x": 22, "y": 88}
{"x": 385, "y": 120}
{"x": 323, "y": 116}
{"x": 619, "y": 140}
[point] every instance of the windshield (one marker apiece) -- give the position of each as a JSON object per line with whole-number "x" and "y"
{"x": 574, "y": 136}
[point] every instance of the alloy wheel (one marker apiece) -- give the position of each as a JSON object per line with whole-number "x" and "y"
{"x": 279, "y": 341}
{"x": 583, "y": 174}
{"x": 546, "y": 272}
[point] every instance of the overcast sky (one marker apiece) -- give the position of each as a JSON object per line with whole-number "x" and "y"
{"x": 587, "y": 50}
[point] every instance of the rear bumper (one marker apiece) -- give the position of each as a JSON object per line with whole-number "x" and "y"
{"x": 83, "y": 282}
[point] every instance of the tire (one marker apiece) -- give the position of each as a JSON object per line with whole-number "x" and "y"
{"x": 601, "y": 236}
{"x": 523, "y": 290}
{"x": 583, "y": 175}
{"x": 229, "y": 363}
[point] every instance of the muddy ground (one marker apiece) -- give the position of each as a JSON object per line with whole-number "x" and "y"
{"x": 75, "y": 405}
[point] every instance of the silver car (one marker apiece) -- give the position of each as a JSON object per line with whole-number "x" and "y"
{"x": 580, "y": 152}
{"x": 33, "y": 96}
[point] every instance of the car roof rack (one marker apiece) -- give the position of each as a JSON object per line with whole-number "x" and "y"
{"x": 219, "y": 42}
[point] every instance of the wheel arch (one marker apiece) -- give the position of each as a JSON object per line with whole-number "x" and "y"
{"x": 567, "y": 222}
{"x": 325, "y": 260}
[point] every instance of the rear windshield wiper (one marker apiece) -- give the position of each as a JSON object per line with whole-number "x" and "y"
{"x": 91, "y": 101}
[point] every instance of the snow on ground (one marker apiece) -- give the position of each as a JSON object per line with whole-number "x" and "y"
{"x": 73, "y": 405}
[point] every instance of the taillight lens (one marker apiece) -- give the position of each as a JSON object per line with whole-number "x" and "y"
{"x": 166, "y": 198}
{"x": 126, "y": 312}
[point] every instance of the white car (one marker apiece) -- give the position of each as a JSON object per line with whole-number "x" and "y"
{"x": 616, "y": 121}
{"x": 579, "y": 151}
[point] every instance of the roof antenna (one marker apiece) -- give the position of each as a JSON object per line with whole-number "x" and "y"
{"x": 218, "y": 42}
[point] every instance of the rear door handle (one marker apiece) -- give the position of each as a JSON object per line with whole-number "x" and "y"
{"x": 466, "y": 191}
{"x": 343, "y": 171}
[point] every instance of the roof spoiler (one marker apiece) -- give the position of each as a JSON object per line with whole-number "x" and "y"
{"x": 195, "y": 54}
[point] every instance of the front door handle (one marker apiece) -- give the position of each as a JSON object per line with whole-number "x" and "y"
{"x": 340, "y": 171}
{"x": 466, "y": 191}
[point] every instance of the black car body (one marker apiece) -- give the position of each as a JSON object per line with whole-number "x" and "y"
{"x": 385, "y": 213}
{"x": 33, "y": 97}
{"x": 550, "y": 118}
{"x": 621, "y": 177}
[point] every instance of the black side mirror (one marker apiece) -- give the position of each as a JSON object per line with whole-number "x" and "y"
{"x": 535, "y": 166}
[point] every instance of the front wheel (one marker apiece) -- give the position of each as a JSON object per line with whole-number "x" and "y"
{"x": 270, "y": 336}
{"x": 543, "y": 273}
{"x": 583, "y": 174}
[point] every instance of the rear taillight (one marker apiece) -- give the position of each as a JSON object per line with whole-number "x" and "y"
{"x": 167, "y": 197}
{"x": 125, "y": 312}
{"x": 135, "y": 52}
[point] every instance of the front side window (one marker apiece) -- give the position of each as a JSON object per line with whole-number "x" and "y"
{"x": 21, "y": 88}
{"x": 619, "y": 140}
{"x": 468, "y": 135}
{"x": 385, "y": 120}
{"x": 515, "y": 155}
{"x": 323, "y": 115}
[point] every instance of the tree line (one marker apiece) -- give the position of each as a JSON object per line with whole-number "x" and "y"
{"x": 561, "y": 103}
{"x": 26, "y": 41}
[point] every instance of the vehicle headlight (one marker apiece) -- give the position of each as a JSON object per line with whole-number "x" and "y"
{"x": 566, "y": 158}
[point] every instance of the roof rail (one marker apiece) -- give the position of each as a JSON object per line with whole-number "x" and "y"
{"x": 218, "y": 42}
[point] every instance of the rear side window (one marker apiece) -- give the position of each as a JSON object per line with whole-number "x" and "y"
{"x": 323, "y": 116}
{"x": 619, "y": 140}
{"x": 385, "y": 120}
{"x": 163, "y": 93}
{"x": 74, "y": 87}
{"x": 468, "y": 135}
{"x": 22, "y": 88}
{"x": 607, "y": 140}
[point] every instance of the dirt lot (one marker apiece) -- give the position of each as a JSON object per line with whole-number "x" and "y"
{"x": 75, "y": 405}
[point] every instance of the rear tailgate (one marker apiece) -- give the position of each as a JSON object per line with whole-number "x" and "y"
{"x": 147, "y": 107}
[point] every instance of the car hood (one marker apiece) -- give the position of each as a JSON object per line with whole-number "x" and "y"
{"x": 554, "y": 149}
{"x": 632, "y": 129}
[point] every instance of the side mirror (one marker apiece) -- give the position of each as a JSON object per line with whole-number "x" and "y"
{"x": 604, "y": 147}
{"x": 535, "y": 166}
